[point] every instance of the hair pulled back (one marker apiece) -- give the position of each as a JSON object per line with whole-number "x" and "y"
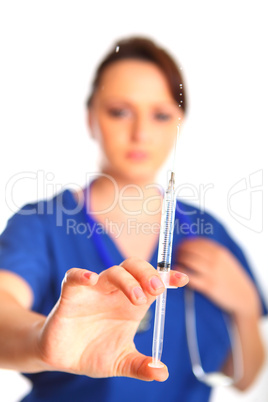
{"x": 144, "y": 49}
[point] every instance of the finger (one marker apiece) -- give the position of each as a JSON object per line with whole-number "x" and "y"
{"x": 194, "y": 262}
{"x": 183, "y": 269}
{"x": 135, "y": 365}
{"x": 178, "y": 279}
{"x": 116, "y": 278}
{"x": 196, "y": 281}
{"x": 145, "y": 274}
{"x": 79, "y": 277}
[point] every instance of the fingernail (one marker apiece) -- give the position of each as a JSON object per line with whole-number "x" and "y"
{"x": 139, "y": 293}
{"x": 180, "y": 275}
{"x": 94, "y": 278}
{"x": 156, "y": 283}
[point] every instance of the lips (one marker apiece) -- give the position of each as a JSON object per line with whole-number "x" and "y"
{"x": 137, "y": 155}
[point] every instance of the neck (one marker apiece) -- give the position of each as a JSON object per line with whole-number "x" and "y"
{"x": 110, "y": 181}
{"x": 109, "y": 190}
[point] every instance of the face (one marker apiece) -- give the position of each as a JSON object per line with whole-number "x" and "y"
{"x": 134, "y": 118}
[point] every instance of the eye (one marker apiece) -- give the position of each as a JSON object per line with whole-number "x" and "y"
{"x": 118, "y": 112}
{"x": 162, "y": 116}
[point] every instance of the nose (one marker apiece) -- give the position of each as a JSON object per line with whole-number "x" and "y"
{"x": 141, "y": 130}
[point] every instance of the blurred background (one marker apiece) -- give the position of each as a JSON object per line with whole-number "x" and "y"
{"x": 49, "y": 51}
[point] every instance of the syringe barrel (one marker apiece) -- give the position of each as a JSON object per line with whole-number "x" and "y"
{"x": 159, "y": 324}
{"x": 166, "y": 230}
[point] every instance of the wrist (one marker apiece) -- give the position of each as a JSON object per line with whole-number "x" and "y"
{"x": 34, "y": 347}
{"x": 251, "y": 310}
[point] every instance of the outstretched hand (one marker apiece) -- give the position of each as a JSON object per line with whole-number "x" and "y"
{"x": 90, "y": 330}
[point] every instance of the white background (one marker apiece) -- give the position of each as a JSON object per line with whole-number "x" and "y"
{"x": 49, "y": 50}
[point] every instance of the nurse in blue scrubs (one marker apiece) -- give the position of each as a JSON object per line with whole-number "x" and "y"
{"x": 72, "y": 333}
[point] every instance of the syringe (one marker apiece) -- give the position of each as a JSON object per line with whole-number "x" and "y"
{"x": 163, "y": 267}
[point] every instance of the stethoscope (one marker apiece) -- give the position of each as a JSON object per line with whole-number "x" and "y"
{"x": 212, "y": 379}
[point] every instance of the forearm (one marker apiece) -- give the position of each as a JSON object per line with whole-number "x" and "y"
{"x": 19, "y": 331}
{"x": 252, "y": 348}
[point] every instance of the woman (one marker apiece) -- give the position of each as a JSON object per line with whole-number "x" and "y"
{"x": 137, "y": 100}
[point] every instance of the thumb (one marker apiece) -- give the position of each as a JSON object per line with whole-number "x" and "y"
{"x": 74, "y": 279}
{"x": 135, "y": 365}
{"x": 78, "y": 277}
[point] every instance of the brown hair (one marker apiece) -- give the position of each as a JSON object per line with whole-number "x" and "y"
{"x": 144, "y": 49}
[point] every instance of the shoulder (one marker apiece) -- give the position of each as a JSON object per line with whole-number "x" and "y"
{"x": 32, "y": 218}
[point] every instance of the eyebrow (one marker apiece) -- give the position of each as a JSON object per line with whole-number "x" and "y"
{"x": 127, "y": 103}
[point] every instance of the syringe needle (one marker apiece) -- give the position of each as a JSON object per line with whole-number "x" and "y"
{"x": 175, "y": 147}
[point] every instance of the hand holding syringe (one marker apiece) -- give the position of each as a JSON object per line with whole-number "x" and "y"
{"x": 163, "y": 265}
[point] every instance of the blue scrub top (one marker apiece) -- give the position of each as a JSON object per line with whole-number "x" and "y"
{"x": 45, "y": 239}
